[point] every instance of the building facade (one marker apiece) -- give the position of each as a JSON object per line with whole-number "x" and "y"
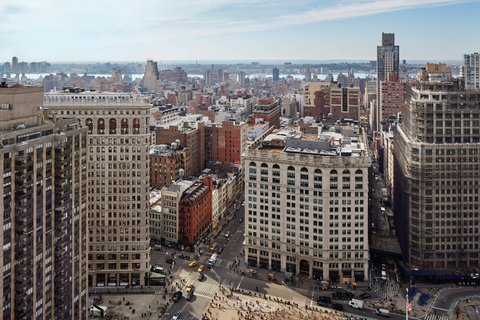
{"x": 227, "y": 141}
{"x": 391, "y": 101}
{"x": 437, "y": 177}
{"x": 471, "y": 70}
{"x": 165, "y": 165}
{"x": 119, "y": 140}
{"x": 388, "y": 65}
{"x": 267, "y": 110}
{"x": 195, "y": 211}
{"x": 43, "y": 180}
{"x": 345, "y": 103}
{"x": 306, "y": 207}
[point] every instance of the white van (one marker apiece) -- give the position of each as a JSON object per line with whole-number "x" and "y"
{"x": 355, "y": 303}
{"x": 383, "y": 312}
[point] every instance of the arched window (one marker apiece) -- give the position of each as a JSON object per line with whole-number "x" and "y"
{"x": 276, "y": 172}
{"x": 252, "y": 170}
{"x": 136, "y": 126}
{"x": 101, "y": 126}
{"x": 359, "y": 179}
{"x": 112, "y": 128}
{"x": 124, "y": 126}
{"x": 317, "y": 178}
{"x": 89, "y": 124}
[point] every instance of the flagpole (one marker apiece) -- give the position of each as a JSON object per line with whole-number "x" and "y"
{"x": 406, "y": 306}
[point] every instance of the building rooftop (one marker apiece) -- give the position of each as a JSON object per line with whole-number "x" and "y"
{"x": 336, "y": 140}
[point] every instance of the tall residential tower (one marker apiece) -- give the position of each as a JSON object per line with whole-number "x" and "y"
{"x": 43, "y": 182}
{"x": 388, "y": 68}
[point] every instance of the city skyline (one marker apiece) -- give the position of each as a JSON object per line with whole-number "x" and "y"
{"x": 235, "y": 30}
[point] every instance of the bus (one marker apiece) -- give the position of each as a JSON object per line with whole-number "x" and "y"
{"x": 212, "y": 260}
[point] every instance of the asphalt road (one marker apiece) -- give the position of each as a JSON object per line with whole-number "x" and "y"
{"x": 447, "y": 297}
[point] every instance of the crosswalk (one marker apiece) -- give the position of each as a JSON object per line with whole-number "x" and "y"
{"x": 229, "y": 263}
{"x": 206, "y": 288}
{"x": 435, "y": 317}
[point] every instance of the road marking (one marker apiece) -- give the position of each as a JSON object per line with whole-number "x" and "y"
{"x": 203, "y": 296}
{"x": 238, "y": 287}
{"x": 440, "y": 309}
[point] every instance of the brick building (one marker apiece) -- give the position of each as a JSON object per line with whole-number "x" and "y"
{"x": 195, "y": 211}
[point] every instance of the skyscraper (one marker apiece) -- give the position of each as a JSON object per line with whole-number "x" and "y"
{"x": 437, "y": 175}
{"x": 15, "y": 65}
{"x": 276, "y": 74}
{"x": 388, "y": 66}
{"x": 119, "y": 143}
{"x": 242, "y": 79}
{"x": 471, "y": 70}
{"x": 43, "y": 181}
{"x": 150, "y": 78}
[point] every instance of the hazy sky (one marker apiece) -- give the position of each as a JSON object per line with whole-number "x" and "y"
{"x": 120, "y": 30}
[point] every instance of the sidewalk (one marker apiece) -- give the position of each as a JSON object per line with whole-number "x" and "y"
{"x": 227, "y": 305}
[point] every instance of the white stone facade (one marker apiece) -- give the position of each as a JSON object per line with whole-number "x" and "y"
{"x": 307, "y": 214}
{"x": 118, "y": 172}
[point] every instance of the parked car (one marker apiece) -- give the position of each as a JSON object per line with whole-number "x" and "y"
{"x": 213, "y": 247}
{"x": 220, "y": 249}
{"x": 228, "y": 234}
{"x": 157, "y": 268}
{"x": 201, "y": 276}
{"x": 177, "y": 296}
{"x": 342, "y": 295}
{"x": 323, "y": 300}
{"x": 240, "y": 220}
{"x": 365, "y": 295}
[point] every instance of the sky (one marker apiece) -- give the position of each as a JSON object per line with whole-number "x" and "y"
{"x": 203, "y": 30}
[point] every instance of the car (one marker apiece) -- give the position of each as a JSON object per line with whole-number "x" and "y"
{"x": 365, "y": 295}
{"x": 190, "y": 291}
{"x": 193, "y": 264}
{"x": 337, "y": 306}
{"x": 383, "y": 312}
{"x": 169, "y": 260}
{"x": 201, "y": 276}
{"x": 158, "y": 269}
{"x": 176, "y": 315}
{"x": 342, "y": 295}
{"x": 220, "y": 249}
{"x": 323, "y": 300}
{"x": 243, "y": 204}
{"x": 157, "y": 247}
{"x": 177, "y": 296}
{"x": 240, "y": 220}
{"x": 228, "y": 234}
{"x": 201, "y": 268}
{"x": 213, "y": 247}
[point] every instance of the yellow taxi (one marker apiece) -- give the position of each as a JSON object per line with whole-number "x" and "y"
{"x": 201, "y": 268}
{"x": 190, "y": 288}
{"x": 192, "y": 264}
{"x": 213, "y": 247}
